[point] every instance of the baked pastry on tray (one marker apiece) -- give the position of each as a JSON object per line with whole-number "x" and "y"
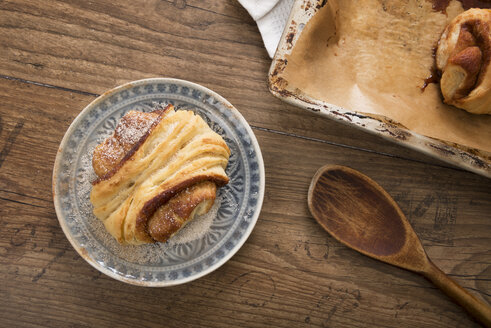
{"x": 155, "y": 173}
{"x": 464, "y": 58}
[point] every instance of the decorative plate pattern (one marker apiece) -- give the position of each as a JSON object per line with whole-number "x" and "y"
{"x": 206, "y": 242}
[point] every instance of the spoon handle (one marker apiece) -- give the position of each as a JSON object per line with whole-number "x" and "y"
{"x": 478, "y": 309}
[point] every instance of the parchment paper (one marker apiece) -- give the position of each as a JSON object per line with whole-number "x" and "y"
{"x": 372, "y": 56}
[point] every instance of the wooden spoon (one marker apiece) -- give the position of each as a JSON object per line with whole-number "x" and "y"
{"x": 356, "y": 211}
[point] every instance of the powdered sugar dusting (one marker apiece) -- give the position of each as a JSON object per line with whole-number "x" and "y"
{"x": 111, "y": 153}
{"x": 131, "y": 128}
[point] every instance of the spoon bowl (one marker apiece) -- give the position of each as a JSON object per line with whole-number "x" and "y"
{"x": 359, "y": 213}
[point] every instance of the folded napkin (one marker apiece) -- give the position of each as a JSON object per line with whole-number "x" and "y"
{"x": 271, "y": 17}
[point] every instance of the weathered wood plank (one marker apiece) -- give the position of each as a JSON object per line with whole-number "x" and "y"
{"x": 289, "y": 272}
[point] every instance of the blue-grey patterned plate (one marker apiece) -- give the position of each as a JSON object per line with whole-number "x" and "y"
{"x": 205, "y": 243}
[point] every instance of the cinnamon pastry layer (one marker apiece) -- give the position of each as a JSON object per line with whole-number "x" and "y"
{"x": 463, "y": 56}
{"x": 155, "y": 173}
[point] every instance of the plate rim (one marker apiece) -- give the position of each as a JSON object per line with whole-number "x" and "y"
{"x": 163, "y": 283}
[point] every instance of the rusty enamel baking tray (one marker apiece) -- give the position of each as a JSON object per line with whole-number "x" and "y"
{"x": 467, "y": 158}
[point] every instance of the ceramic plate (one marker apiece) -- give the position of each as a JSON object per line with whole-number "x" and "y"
{"x": 206, "y": 242}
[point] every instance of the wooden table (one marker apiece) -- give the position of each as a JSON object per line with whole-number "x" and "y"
{"x": 57, "y": 56}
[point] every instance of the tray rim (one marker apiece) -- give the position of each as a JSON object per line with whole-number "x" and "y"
{"x": 470, "y": 159}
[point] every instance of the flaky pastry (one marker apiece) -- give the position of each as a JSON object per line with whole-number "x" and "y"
{"x": 463, "y": 56}
{"x": 155, "y": 173}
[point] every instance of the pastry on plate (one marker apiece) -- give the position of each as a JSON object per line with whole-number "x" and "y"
{"x": 155, "y": 173}
{"x": 463, "y": 56}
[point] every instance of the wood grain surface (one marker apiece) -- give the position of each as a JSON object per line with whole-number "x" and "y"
{"x": 57, "y": 56}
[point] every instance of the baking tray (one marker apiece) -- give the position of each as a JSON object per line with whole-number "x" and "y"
{"x": 470, "y": 159}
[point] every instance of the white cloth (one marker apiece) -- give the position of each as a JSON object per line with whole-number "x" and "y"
{"x": 271, "y": 17}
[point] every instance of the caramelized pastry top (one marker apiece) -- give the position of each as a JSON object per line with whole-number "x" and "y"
{"x": 130, "y": 129}
{"x": 463, "y": 56}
